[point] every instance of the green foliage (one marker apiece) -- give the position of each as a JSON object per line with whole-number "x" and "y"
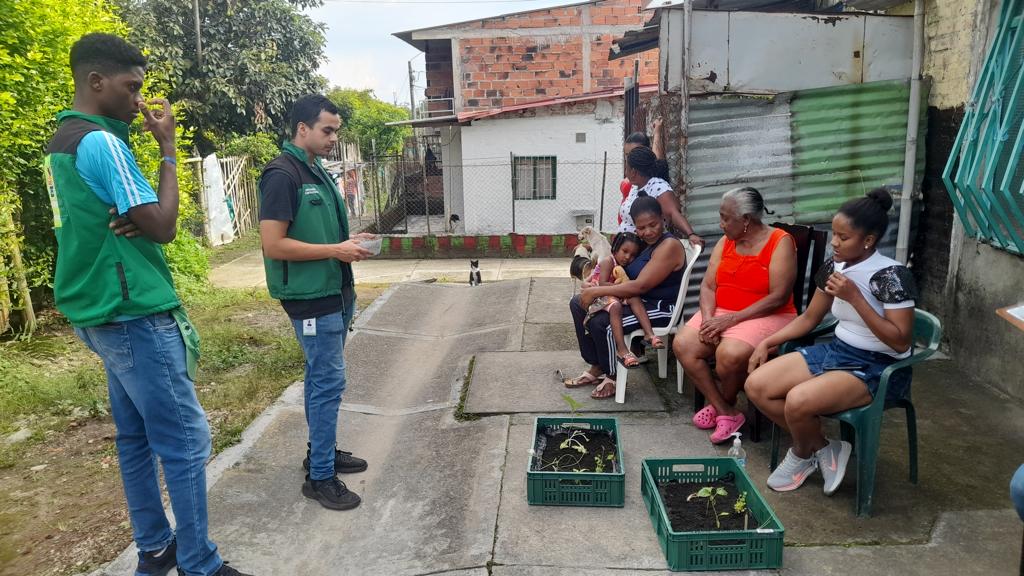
{"x": 186, "y": 257}
{"x": 740, "y": 506}
{"x": 258, "y": 57}
{"x": 35, "y": 84}
{"x": 574, "y": 406}
{"x": 366, "y": 121}
{"x": 260, "y": 147}
{"x": 711, "y": 494}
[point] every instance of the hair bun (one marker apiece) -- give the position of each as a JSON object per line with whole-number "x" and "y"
{"x": 881, "y": 197}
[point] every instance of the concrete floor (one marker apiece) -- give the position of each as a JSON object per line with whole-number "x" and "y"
{"x": 448, "y": 497}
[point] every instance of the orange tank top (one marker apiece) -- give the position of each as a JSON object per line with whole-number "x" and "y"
{"x": 743, "y": 280}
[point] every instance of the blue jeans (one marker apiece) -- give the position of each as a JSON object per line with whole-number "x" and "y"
{"x": 1017, "y": 491}
{"x": 324, "y": 384}
{"x": 154, "y": 406}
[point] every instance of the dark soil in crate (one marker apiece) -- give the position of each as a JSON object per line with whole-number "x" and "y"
{"x": 598, "y": 443}
{"x": 695, "y": 515}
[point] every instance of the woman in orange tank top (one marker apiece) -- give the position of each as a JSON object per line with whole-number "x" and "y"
{"x": 746, "y": 296}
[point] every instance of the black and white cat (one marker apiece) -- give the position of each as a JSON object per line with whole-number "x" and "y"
{"x": 474, "y": 272}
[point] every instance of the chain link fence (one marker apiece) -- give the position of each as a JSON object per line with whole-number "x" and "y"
{"x": 514, "y": 194}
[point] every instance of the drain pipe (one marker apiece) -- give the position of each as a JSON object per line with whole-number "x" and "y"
{"x": 913, "y": 122}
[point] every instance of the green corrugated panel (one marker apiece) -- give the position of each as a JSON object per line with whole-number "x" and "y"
{"x": 848, "y": 140}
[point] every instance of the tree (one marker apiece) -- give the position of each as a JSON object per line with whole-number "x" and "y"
{"x": 258, "y": 56}
{"x": 366, "y": 118}
{"x": 35, "y": 84}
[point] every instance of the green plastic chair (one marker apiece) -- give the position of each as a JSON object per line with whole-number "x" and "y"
{"x": 862, "y": 426}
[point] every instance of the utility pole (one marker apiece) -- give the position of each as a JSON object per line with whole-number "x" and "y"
{"x": 412, "y": 99}
{"x": 199, "y": 37}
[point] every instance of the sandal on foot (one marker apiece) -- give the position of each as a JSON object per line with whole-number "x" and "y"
{"x": 605, "y": 390}
{"x": 629, "y": 360}
{"x": 705, "y": 418}
{"x": 725, "y": 426}
{"x": 585, "y": 379}
{"x": 656, "y": 342}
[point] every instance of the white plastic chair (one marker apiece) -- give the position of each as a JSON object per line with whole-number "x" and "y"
{"x": 621, "y": 372}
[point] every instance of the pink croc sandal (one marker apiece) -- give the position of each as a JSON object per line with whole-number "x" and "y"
{"x": 725, "y": 426}
{"x": 705, "y": 419}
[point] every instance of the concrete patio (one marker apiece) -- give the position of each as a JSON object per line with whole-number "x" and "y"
{"x": 444, "y": 496}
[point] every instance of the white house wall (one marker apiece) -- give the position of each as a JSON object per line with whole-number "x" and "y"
{"x": 451, "y": 171}
{"x": 487, "y": 175}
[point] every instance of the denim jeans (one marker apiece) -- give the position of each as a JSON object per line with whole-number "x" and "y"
{"x": 324, "y": 383}
{"x": 154, "y": 406}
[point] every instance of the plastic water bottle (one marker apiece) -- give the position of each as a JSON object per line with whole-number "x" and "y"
{"x": 737, "y": 450}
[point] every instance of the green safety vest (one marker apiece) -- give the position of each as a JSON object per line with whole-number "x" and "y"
{"x": 100, "y": 276}
{"x": 319, "y": 219}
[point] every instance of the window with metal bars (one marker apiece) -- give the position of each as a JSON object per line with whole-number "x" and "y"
{"x": 534, "y": 177}
{"x": 983, "y": 176}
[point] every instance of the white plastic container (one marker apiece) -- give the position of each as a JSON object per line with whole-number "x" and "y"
{"x": 372, "y": 245}
{"x": 737, "y": 450}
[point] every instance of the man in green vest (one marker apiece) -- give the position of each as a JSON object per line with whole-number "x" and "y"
{"x": 307, "y": 255}
{"x": 118, "y": 294}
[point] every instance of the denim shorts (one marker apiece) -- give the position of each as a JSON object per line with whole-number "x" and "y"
{"x": 864, "y": 364}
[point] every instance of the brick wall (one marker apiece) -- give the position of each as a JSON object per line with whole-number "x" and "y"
{"x": 497, "y": 69}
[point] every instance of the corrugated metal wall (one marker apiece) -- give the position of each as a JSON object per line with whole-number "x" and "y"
{"x": 806, "y": 151}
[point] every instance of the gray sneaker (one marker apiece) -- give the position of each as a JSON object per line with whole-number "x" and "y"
{"x": 832, "y": 460}
{"x": 792, "y": 473}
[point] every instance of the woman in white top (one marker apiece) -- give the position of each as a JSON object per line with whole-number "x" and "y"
{"x": 641, "y": 167}
{"x": 872, "y": 296}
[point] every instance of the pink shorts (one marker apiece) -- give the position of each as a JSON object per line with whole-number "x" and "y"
{"x": 750, "y": 331}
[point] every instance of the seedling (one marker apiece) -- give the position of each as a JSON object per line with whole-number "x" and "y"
{"x": 711, "y": 494}
{"x": 740, "y": 506}
{"x": 574, "y": 406}
{"x": 575, "y": 442}
{"x": 599, "y": 462}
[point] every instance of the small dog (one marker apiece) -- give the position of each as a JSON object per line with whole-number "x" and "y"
{"x": 474, "y": 272}
{"x": 599, "y": 246}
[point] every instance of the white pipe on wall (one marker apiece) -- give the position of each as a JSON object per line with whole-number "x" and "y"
{"x": 913, "y": 123}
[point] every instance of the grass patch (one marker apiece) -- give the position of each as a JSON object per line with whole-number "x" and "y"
{"x": 460, "y": 411}
{"x": 248, "y": 242}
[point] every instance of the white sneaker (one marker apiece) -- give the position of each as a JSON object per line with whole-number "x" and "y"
{"x": 832, "y": 460}
{"x": 792, "y": 473}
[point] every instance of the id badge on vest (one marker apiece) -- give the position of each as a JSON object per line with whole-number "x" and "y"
{"x": 309, "y": 327}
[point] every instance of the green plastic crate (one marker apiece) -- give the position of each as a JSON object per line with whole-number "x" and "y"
{"x": 759, "y": 548}
{"x": 577, "y": 488}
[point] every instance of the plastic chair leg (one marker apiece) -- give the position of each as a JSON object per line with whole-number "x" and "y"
{"x": 663, "y": 363}
{"x": 776, "y": 433}
{"x": 621, "y": 375}
{"x": 912, "y": 440}
{"x": 679, "y": 377}
{"x": 867, "y": 461}
{"x": 756, "y": 419}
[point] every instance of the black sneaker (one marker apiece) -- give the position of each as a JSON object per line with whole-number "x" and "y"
{"x": 331, "y": 493}
{"x": 224, "y": 570}
{"x": 157, "y": 562}
{"x": 344, "y": 462}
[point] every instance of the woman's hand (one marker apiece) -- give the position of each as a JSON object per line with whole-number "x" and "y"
{"x": 759, "y": 357}
{"x": 588, "y": 296}
{"x": 695, "y": 239}
{"x": 839, "y": 286}
{"x": 711, "y": 329}
{"x": 585, "y": 284}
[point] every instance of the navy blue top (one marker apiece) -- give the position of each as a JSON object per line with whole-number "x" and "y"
{"x": 669, "y": 287}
